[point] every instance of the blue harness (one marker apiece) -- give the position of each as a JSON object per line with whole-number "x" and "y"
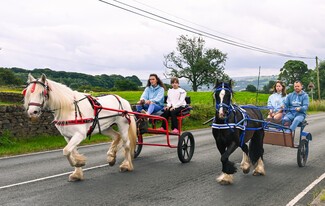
{"x": 242, "y": 124}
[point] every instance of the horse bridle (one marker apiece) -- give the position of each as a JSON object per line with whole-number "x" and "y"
{"x": 45, "y": 92}
{"x": 223, "y": 105}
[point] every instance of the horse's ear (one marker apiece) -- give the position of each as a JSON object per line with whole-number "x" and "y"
{"x": 30, "y": 78}
{"x": 230, "y": 83}
{"x": 43, "y": 78}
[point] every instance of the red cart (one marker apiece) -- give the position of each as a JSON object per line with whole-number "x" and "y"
{"x": 186, "y": 143}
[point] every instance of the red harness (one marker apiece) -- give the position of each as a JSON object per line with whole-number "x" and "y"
{"x": 97, "y": 109}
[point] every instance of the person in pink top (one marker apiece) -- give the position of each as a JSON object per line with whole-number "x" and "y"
{"x": 175, "y": 103}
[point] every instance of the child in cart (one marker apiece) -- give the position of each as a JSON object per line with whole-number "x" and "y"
{"x": 175, "y": 103}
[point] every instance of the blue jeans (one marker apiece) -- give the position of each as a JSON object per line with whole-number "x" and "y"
{"x": 295, "y": 119}
{"x": 150, "y": 108}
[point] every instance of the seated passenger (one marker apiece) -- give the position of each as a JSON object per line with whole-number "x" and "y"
{"x": 276, "y": 102}
{"x": 175, "y": 103}
{"x": 152, "y": 98}
{"x": 297, "y": 104}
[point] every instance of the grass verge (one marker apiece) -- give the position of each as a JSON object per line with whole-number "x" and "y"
{"x": 12, "y": 146}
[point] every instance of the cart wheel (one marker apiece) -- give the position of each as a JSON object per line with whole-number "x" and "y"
{"x": 302, "y": 153}
{"x": 185, "y": 148}
{"x": 138, "y": 147}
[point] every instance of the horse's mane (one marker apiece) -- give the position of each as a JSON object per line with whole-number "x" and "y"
{"x": 61, "y": 97}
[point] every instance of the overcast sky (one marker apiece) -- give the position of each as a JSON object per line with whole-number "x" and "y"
{"x": 92, "y": 37}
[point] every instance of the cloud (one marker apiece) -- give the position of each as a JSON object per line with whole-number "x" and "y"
{"x": 92, "y": 37}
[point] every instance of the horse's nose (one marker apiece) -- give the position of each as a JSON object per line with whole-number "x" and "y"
{"x": 35, "y": 112}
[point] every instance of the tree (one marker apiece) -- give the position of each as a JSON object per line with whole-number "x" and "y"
{"x": 321, "y": 68}
{"x": 268, "y": 87}
{"x": 135, "y": 80}
{"x": 251, "y": 88}
{"x": 125, "y": 85}
{"x": 7, "y": 77}
{"x": 292, "y": 71}
{"x": 198, "y": 65}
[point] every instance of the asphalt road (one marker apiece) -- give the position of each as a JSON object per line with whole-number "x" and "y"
{"x": 160, "y": 179}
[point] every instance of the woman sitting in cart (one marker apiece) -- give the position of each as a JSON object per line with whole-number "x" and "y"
{"x": 296, "y": 105}
{"x": 175, "y": 103}
{"x": 276, "y": 101}
{"x": 152, "y": 98}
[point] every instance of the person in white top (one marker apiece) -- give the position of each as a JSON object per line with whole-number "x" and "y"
{"x": 276, "y": 101}
{"x": 175, "y": 103}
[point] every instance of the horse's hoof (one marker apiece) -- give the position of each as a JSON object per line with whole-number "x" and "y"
{"x": 112, "y": 163}
{"x": 246, "y": 171}
{"x": 73, "y": 178}
{"x": 225, "y": 179}
{"x": 123, "y": 169}
{"x": 223, "y": 182}
{"x": 245, "y": 168}
{"x": 111, "y": 160}
{"x": 256, "y": 173}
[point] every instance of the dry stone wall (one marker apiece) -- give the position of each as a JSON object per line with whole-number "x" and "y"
{"x": 11, "y": 97}
{"x": 15, "y": 122}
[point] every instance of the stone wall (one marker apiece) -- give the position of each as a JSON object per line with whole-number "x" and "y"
{"x": 11, "y": 97}
{"x": 15, "y": 122}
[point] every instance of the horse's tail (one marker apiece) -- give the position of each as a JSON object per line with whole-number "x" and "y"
{"x": 256, "y": 149}
{"x": 132, "y": 134}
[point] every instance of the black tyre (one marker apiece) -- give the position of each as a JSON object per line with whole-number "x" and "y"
{"x": 302, "y": 153}
{"x": 138, "y": 146}
{"x": 185, "y": 148}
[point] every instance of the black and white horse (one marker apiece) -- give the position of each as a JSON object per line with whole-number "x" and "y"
{"x": 233, "y": 127}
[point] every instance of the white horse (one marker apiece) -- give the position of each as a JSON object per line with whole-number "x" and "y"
{"x": 76, "y": 115}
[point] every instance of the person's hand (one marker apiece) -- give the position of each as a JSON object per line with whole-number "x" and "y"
{"x": 148, "y": 102}
{"x": 298, "y": 109}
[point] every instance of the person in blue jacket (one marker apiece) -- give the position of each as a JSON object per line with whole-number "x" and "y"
{"x": 276, "y": 101}
{"x": 152, "y": 98}
{"x": 296, "y": 105}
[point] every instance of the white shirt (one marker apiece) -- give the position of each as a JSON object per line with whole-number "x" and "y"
{"x": 176, "y": 97}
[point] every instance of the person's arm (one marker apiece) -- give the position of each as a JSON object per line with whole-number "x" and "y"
{"x": 287, "y": 102}
{"x": 304, "y": 103}
{"x": 169, "y": 101}
{"x": 144, "y": 95}
{"x": 269, "y": 104}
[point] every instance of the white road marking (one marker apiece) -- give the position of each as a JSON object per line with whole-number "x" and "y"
{"x": 306, "y": 190}
{"x": 49, "y": 177}
{"x": 51, "y": 151}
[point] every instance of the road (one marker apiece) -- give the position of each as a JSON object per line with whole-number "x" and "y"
{"x": 160, "y": 179}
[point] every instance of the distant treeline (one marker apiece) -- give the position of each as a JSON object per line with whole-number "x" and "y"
{"x": 74, "y": 80}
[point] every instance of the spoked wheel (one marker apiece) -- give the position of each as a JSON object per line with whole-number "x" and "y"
{"x": 185, "y": 148}
{"x": 302, "y": 153}
{"x": 138, "y": 146}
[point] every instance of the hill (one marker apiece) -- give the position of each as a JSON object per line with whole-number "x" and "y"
{"x": 240, "y": 83}
{"x": 78, "y": 81}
